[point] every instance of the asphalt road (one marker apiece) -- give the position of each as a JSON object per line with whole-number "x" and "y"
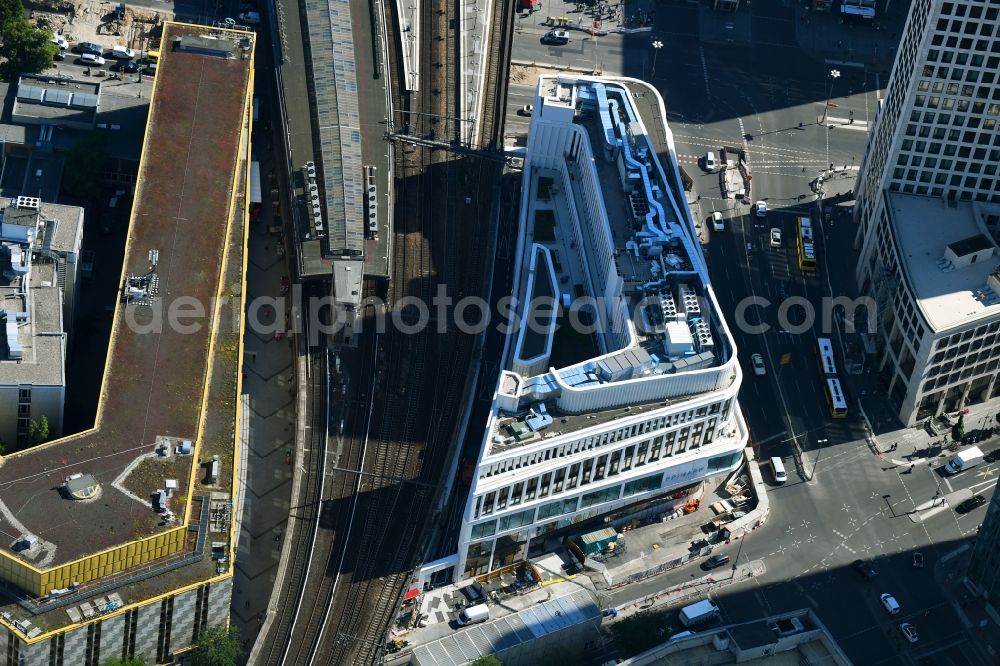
{"x": 858, "y": 506}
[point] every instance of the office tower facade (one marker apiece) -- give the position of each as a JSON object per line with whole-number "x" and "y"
{"x": 618, "y": 391}
{"x": 928, "y": 212}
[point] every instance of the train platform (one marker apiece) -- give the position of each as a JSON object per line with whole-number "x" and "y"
{"x": 353, "y": 139}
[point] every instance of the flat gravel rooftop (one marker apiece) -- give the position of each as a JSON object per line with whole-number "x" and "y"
{"x": 156, "y": 374}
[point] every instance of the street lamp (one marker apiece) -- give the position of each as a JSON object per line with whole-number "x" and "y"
{"x": 834, "y": 74}
{"x": 657, "y": 45}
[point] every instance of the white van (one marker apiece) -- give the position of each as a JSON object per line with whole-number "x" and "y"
{"x": 710, "y": 163}
{"x": 778, "y": 469}
{"x": 473, "y": 615}
{"x": 717, "y": 223}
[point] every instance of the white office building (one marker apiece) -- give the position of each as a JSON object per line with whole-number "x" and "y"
{"x": 39, "y": 255}
{"x": 620, "y": 388}
{"x": 928, "y": 207}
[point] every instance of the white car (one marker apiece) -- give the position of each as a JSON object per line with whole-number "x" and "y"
{"x": 709, "y": 161}
{"x": 890, "y": 603}
{"x": 60, "y": 41}
{"x": 760, "y": 209}
{"x": 250, "y": 18}
{"x": 121, "y": 53}
{"x": 775, "y": 237}
{"x": 758, "y": 364}
{"x": 909, "y": 631}
{"x": 91, "y": 59}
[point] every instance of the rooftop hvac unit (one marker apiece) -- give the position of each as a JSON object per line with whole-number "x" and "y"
{"x": 32, "y": 203}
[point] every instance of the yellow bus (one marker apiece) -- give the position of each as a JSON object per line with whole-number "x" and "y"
{"x": 807, "y": 250}
{"x": 835, "y": 399}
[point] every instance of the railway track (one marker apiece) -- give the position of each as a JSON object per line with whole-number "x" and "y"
{"x": 406, "y": 386}
{"x": 495, "y": 98}
{"x": 307, "y": 513}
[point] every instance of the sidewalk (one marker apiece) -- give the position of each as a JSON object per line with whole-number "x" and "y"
{"x": 684, "y": 592}
{"x": 269, "y": 386}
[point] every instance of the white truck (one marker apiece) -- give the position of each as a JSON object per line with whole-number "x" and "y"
{"x": 473, "y": 615}
{"x": 970, "y": 457}
{"x": 699, "y": 612}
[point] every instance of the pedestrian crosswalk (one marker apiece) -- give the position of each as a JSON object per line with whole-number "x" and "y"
{"x": 845, "y": 123}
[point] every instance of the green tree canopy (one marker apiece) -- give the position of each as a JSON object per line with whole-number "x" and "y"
{"x": 127, "y": 661}
{"x": 958, "y": 431}
{"x": 487, "y": 660}
{"x": 11, "y": 11}
{"x": 640, "y": 632}
{"x": 25, "y": 48}
{"x": 38, "y": 431}
{"x": 217, "y": 646}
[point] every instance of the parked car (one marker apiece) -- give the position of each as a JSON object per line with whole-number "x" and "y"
{"x": 918, "y": 560}
{"x": 526, "y": 110}
{"x": 61, "y": 55}
{"x": 91, "y": 59}
{"x": 250, "y": 18}
{"x": 758, "y": 364}
{"x": 909, "y": 631}
{"x": 120, "y": 53}
{"x": 556, "y": 37}
{"x": 129, "y": 66}
{"x": 973, "y": 502}
{"x": 992, "y": 456}
{"x": 89, "y": 47}
{"x": 890, "y": 603}
{"x": 760, "y": 209}
{"x": 715, "y": 562}
{"x": 60, "y": 41}
{"x": 864, "y": 569}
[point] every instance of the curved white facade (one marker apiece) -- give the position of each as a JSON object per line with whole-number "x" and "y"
{"x": 633, "y": 393}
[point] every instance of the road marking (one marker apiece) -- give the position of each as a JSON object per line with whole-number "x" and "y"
{"x": 704, "y": 71}
{"x": 987, "y": 472}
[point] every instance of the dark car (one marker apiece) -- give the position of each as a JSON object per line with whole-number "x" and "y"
{"x": 715, "y": 562}
{"x": 556, "y": 37}
{"x": 864, "y": 569}
{"x": 973, "y": 502}
{"x": 129, "y": 66}
{"x": 992, "y": 456}
{"x": 89, "y": 47}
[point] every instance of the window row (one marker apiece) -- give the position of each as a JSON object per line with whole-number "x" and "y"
{"x": 595, "y": 469}
{"x": 983, "y": 369}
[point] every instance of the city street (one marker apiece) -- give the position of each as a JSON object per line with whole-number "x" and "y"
{"x": 747, "y": 82}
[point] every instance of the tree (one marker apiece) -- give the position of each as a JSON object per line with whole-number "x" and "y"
{"x": 25, "y": 48}
{"x": 487, "y": 660}
{"x": 640, "y": 632}
{"x": 38, "y": 431}
{"x": 11, "y": 11}
{"x": 84, "y": 162}
{"x": 958, "y": 430}
{"x": 127, "y": 661}
{"x": 217, "y": 646}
